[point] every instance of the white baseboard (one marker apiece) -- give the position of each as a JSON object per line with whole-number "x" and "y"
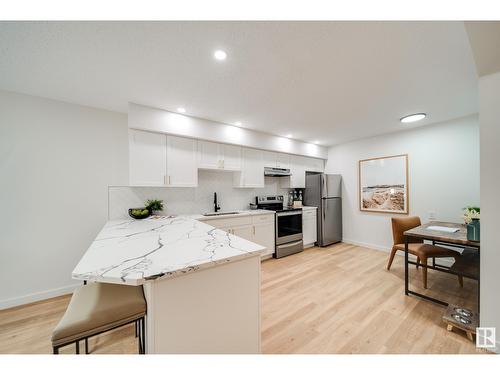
{"x": 444, "y": 261}
{"x": 34, "y": 297}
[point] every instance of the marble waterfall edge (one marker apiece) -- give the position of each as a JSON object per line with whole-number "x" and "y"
{"x": 136, "y": 251}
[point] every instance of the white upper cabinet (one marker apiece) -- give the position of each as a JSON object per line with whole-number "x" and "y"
{"x": 161, "y": 160}
{"x": 182, "y": 166}
{"x": 232, "y": 157}
{"x": 314, "y": 165}
{"x": 270, "y": 159}
{"x": 208, "y": 155}
{"x": 147, "y": 158}
{"x": 252, "y": 172}
{"x": 298, "y": 170}
{"x": 219, "y": 156}
{"x": 276, "y": 160}
{"x": 283, "y": 161}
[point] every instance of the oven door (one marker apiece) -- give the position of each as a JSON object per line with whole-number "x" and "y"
{"x": 288, "y": 227}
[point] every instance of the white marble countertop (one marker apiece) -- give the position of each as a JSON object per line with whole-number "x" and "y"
{"x": 231, "y": 215}
{"x": 136, "y": 251}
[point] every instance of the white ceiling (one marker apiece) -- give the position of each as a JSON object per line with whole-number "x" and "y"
{"x": 326, "y": 81}
{"x": 484, "y": 37}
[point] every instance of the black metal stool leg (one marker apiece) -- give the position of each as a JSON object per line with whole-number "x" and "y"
{"x": 77, "y": 347}
{"x": 55, "y": 350}
{"x": 139, "y": 335}
{"x": 86, "y": 345}
{"x": 136, "y": 329}
{"x": 143, "y": 320}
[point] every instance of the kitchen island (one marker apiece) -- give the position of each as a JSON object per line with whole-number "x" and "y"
{"x": 202, "y": 284}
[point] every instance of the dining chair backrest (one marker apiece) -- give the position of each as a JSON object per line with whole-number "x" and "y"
{"x": 402, "y": 224}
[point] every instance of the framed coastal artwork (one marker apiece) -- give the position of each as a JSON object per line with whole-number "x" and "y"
{"x": 383, "y": 184}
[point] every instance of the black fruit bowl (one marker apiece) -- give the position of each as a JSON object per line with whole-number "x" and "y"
{"x": 139, "y": 217}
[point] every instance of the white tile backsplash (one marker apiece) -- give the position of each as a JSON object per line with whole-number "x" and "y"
{"x": 190, "y": 200}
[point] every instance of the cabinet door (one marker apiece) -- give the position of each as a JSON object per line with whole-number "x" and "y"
{"x": 245, "y": 232}
{"x": 182, "y": 168}
{"x": 283, "y": 161}
{"x": 263, "y": 234}
{"x": 318, "y": 165}
{"x": 208, "y": 155}
{"x": 314, "y": 165}
{"x": 147, "y": 158}
{"x": 309, "y": 230}
{"x": 232, "y": 157}
{"x": 252, "y": 173}
{"x": 298, "y": 169}
{"x": 270, "y": 159}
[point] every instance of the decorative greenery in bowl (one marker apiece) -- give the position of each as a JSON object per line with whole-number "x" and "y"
{"x": 139, "y": 213}
{"x": 154, "y": 205}
{"x": 151, "y": 206}
{"x": 470, "y": 213}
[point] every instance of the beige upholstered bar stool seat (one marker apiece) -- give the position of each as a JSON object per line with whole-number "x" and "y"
{"x": 99, "y": 307}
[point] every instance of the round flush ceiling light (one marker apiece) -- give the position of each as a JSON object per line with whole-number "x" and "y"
{"x": 238, "y": 123}
{"x": 181, "y": 110}
{"x": 289, "y": 135}
{"x": 413, "y": 118}
{"x": 220, "y": 55}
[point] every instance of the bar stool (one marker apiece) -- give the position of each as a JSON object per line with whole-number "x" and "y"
{"x": 96, "y": 308}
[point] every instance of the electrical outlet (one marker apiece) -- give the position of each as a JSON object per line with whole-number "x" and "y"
{"x": 432, "y": 215}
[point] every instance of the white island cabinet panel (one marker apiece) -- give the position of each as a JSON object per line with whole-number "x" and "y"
{"x": 147, "y": 158}
{"x": 264, "y": 235}
{"x": 182, "y": 168}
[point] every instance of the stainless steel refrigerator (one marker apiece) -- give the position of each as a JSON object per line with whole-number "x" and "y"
{"x": 324, "y": 191}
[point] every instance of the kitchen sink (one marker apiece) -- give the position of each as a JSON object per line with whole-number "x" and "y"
{"x": 220, "y": 213}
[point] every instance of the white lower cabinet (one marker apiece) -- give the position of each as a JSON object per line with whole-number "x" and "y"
{"x": 309, "y": 226}
{"x": 255, "y": 228}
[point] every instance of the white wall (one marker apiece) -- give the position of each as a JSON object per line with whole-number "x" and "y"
{"x": 56, "y": 162}
{"x": 157, "y": 120}
{"x": 489, "y": 118}
{"x": 443, "y": 176}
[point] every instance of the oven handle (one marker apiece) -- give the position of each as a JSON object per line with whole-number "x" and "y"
{"x": 290, "y": 244}
{"x": 289, "y": 213}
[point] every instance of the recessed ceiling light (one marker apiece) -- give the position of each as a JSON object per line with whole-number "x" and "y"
{"x": 316, "y": 142}
{"x": 289, "y": 135}
{"x": 413, "y": 118}
{"x": 181, "y": 110}
{"x": 238, "y": 123}
{"x": 220, "y": 55}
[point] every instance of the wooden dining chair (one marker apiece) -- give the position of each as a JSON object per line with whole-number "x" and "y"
{"x": 416, "y": 246}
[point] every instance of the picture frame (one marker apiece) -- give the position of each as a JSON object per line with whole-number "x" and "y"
{"x": 383, "y": 184}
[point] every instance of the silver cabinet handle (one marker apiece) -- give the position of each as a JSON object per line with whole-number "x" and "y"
{"x": 164, "y": 179}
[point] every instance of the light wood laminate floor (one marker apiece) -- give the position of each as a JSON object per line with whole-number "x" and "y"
{"x": 339, "y": 299}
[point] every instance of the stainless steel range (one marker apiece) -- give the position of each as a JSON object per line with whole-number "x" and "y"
{"x": 288, "y": 225}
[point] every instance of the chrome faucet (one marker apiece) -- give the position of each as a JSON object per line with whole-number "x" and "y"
{"x": 216, "y": 206}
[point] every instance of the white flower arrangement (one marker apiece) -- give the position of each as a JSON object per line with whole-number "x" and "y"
{"x": 470, "y": 213}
